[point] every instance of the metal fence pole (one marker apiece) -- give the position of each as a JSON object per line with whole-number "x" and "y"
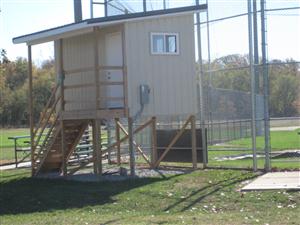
{"x": 200, "y": 95}
{"x": 266, "y": 88}
{"x": 253, "y": 94}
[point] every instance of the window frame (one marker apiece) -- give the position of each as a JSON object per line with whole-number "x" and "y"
{"x": 165, "y": 35}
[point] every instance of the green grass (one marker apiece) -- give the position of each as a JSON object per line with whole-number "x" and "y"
{"x": 201, "y": 197}
{"x": 7, "y": 146}
{"x": 280, "y": 140}
{"x": 5, "y": 133}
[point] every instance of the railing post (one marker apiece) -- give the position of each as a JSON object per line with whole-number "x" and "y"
{"x": 118, "y": 141}
{"x": 154, "y": 143}
{"x": 97, "y": 146}
{"x": 31, "y": 117}
{"x": 62, "y": 108}
{"x": 131, "y": 146}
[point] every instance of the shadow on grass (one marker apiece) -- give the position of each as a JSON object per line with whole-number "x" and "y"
{"x": 27, "y": 195}
{"x": 209, "y": 190}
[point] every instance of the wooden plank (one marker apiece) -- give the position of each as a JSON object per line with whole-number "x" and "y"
{"x": 53, "y": 94}
{"x": 63, "y": 148}
{"x": 124, "y": 68}
{"x": 31, "y": 118}
{"x": 67, "y": 87}
{"x": 79, "y": 70}
{"x": 154, "y": 142}
{"x": 110, "y": 67}
{"x": 111, "y": 98}
{"x": 108, "y": 83}
{"x": 76, "y": 141}
{"x": 78, "y": 101}
{"x": 177, "y": 136}
{"x": 46, "y": 122}
{"x": 194, "y": 143}
{"x": 97, "y": 146}
{"x": 135, "y": 131}
{"x": 131, "y": 148}
{"x": 62, "y": 107}
{"x": 118, "y": 141}
{"x": 94, "y": 146}
{"x": 96, "y": 65}
{"x": 91, "y": 68}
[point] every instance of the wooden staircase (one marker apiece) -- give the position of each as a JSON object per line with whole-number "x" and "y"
{"x": 49, "y": 155}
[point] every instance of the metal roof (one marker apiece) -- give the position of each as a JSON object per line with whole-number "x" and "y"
{"x": 86, "y": 26}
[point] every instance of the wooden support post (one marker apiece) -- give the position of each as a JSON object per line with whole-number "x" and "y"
{"x": 62, "y": 107}
{"x": 124, "y": 71}
{"x": 96, "y": 69}
{"x": 97, "y": 147}
{"x": 131, "y": 147}
{"x": 118, "y": 141}
{"x": 31, "y": 118}
{"x": 109, "y": 141}
{"x": 63, "y": 148}
{"x": 194, "y": 141}
{"x": 154, "y": 143}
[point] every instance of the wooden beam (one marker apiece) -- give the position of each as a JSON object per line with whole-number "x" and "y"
{"x": 31, "y": 118}
{"x": 97, "y": 146}
{"x": 62, "y": 107}
{"x": 194, "y": 141}
{"x": 94, "y": 147}
{"x": 135, "y": 132}
{"x": 63, "y": 148}
{"x": 96, "y": 65}
{"x": 135, "y": 144}
{"x": 124, "y": 68}
{"x": 177, "y": 136}
{"x": 91, "y": 68}
{"x": 154, "y": 142}
{"x": 118, "y": 141}
{"x": 131, "y": 148}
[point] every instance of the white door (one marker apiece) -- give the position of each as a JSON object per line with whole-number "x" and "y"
{"x": 114, "y": 57}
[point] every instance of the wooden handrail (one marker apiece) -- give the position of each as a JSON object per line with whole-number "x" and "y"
{"x": 45, "y": 109}
{"x": 47, "y": 120}
{"x": 46, "y": 137}
{"x": 91, "y": 68}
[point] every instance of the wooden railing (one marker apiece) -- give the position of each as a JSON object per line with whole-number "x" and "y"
{"x": 45, "y": 127}
{"x": 98, "y": 83}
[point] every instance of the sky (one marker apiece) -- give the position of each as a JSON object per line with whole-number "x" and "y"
{"x": 19, "y": 17}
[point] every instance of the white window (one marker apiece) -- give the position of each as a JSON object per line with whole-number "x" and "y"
{"x": 164, "y": 44}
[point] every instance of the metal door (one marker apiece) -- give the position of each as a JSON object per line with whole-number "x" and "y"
{"x": 114, "y": 58}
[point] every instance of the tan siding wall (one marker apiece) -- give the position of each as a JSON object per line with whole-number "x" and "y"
{"x": 171, "y": 78}
{"x": 78, "y": 52}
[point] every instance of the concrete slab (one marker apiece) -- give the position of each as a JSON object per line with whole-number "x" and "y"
{"x": 275, "y": 181}
{"x": 13, "y": 166}
{"x": 284, "y": 128}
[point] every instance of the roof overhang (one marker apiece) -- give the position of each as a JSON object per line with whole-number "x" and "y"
{"x": 86, "y": 26}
